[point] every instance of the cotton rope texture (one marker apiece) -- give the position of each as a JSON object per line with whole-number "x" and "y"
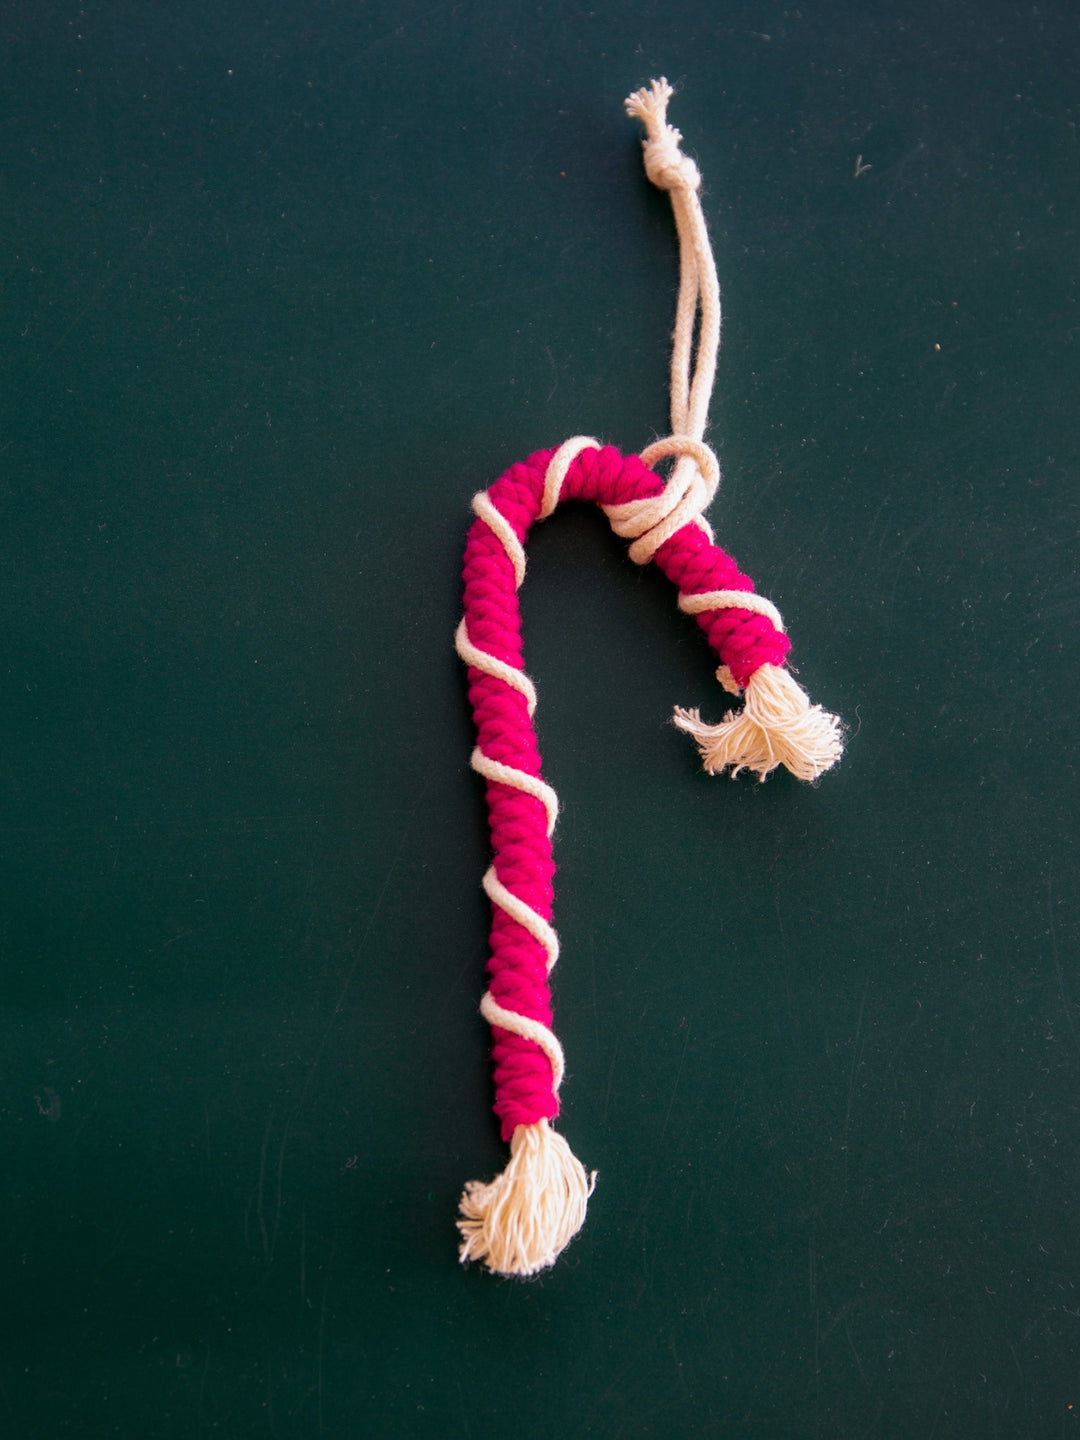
{"x": 521, "y": 1221}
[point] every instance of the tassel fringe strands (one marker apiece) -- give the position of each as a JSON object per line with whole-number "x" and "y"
{"x": 520, "y": 1222}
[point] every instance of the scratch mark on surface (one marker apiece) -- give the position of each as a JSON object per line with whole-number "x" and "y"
{"x": 1065, "y": 1005}
{"x": 319, "y": 1368}
{"x": 554, "y": 375}
{"x": 854, "y": 1352}
{"x": 678, "y": 1077}
{"x": 51, "y": 1107}
{"x": 856, "y": 1057}
{"x": 201, "y": 1405}
{"x": 261, "y": 1186}
{"x": 181, "y": 936}
{"x": 610, "y": 1081}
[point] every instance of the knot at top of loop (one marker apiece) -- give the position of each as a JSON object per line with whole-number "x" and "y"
{"x": 665, "y": 164}
{"x": 667, "y": 167}
{"x": 688, "y": 493}
{"x": 652, "y": 519}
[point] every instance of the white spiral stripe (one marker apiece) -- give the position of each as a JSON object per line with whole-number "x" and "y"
{"x": 558, "y": 468}
{"x": 528, "y": 1029}
{"x": 731, "y": 600}
{"x": 520, "y": 780}
{"x": 524, "y": 914}
{"x": 498, "y": 524}
{"x": 481, "y": 660}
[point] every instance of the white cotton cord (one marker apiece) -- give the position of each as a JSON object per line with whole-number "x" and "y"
{"x": 520, "y": 780}
{"x": 490, "y": 665}
{"x": 558, "y": 467}
{"x": 528, "y": 1029}
{"x": 498, "y": 524}
{"x": 539, "y": 928}
{"x": 523, "y": 1220}
{"x": 704, "y": 600}
{"x": 688, "y": 491}
{"x": 699, "y": 292}
{"x": 545, "y": 935}
{"x": 777, "y": 724}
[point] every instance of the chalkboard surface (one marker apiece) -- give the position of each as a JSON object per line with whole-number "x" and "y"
{"x": 283, "y": 286}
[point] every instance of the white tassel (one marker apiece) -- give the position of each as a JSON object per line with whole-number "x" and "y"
{"x": 525, "y": 1218}
{"x": 776, "y": 726}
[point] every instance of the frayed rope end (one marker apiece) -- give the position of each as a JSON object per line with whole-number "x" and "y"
{"x": 524, "y": 1219}
{"x": 776, "y": 726}
{"x": 649, "y": 104}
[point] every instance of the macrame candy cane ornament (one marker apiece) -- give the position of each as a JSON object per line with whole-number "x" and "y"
{"x": 520, "y": 1222}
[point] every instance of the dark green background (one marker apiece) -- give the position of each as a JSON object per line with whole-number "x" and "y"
{"x": 283, "y": 285}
